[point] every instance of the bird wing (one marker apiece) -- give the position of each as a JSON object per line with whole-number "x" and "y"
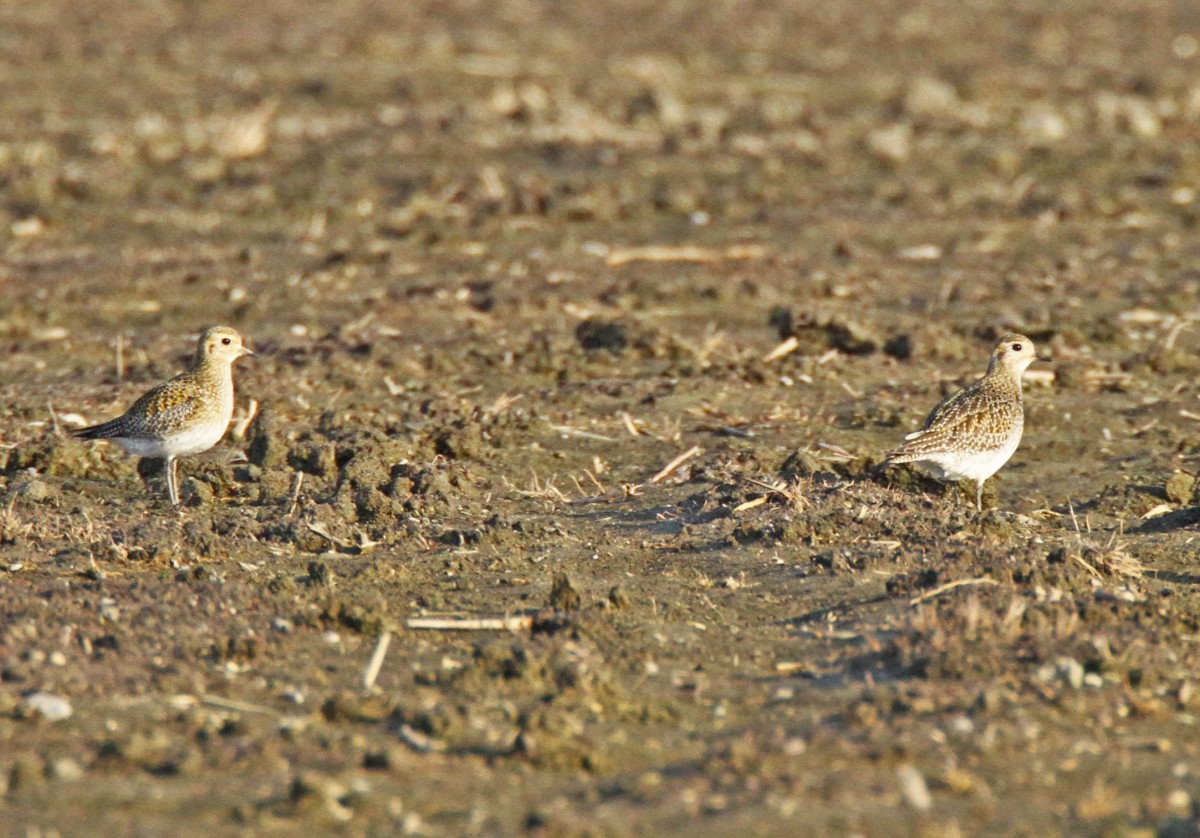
{"x": 167, "y": 405}
{"x": 950, "y": 409}
{"x": 156, "y": 413}
{"x": 974, "y": 413}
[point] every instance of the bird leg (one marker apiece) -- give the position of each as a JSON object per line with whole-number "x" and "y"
{"x": 979, "y": 496}
{"x": 172, "y": 481}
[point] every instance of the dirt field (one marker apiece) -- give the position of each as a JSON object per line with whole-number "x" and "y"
{"x": 502, "y": 264}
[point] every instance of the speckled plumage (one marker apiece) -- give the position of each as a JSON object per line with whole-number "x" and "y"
{"x": 187, "y": 414}
{"x": 972, "y": 433}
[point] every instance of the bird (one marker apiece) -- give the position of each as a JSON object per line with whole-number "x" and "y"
{"x": 972, "y": 433}
{"x": 187, "y": 414}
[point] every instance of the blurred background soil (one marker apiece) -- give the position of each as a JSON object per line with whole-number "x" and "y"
{"x": 596, "y": 318}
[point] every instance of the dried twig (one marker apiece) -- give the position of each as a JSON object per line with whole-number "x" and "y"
{"x": 243, "y": 423}
{"x": 788, "y": 667}
{"x": 54, "y": 420}
{"x": 632, "y": 428}
{"x": 779, "y": 488}
{"x": 376, "y": 662}
{"x": 787, "y": 347}
{"x": 297, "y": 483}
{"x": 1108, "y": 560}
{"x": 569, "y": 431}
{"x": 320, "y": 529}
{"x": 522, "y": 623}
{"x": 666, "y": 470}
{"x": 949, "y": 586}
{"x": 238, "y": 706}
{"x": 750, "y": 504}
{"x": 419, "y": 741}
{"x": 665, "y": 253}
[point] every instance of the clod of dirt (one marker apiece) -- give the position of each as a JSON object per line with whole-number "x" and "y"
{"x": 1179, "y": 487}
{"x": 196, "y": 492}
{"x": 851, "y": 338}
{"x": 267, "y": 447}
{"x": 312, "y": 793}
{"x": 50, "y": 455}
{"x": 357, "y": 617}
{"x": 1172, "y": 362}
{"x": 617, "y": 598}
{"x": 563, "y": 596}
{"x": 27, "y": 772}
{"x": 299, "y": 535}
{"x": 802, "y": 464}
{"x": 595, "y": 333}
{"x": 312, "y": 457}
{"x": 372, "y": 506}
{"x": 995, "y": 524}
{"x": 1123, "y": 500}
{"x": 817, "y": 334}
{"x": 899, "y": 347}
{"x": 33, "y": 490}
{"x": 346, "y": 706}
{"x": 911, "y": 582}
{"x": 319, "y": 574}
{"x": 201, "y": 538}
{"x": 461, "y": 442}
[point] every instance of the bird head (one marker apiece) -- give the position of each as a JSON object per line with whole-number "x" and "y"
{"x": 1013, "y": 353}
{"x": 221, "y": 343}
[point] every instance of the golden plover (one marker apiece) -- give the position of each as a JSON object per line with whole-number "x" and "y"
{"x": 186, "y": 415}
{"x": 973, "y": 432}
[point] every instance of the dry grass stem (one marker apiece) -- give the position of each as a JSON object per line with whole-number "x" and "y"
{"x": 565, "y": 430}
{"x": 665, "y": 253}
{"x": 242, "y": 423}
{"x": 1107, "y": 560}
{"x": 376, "y": 662}
{"x": 949, "y": 586}
{"x": 750, "y": 504}
{"x": 670, "y": 467}
{"x": 522, "y": 623}
{"x": 627, "y": 420}
{"x": 785, "y": 348}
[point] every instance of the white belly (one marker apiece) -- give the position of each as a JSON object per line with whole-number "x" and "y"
{"x": 972, "y": 465}
{"x": 181, "y": 444}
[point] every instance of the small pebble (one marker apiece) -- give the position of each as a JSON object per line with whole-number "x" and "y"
{"x": 914, "y": 788}
{"x": 65, "y": 769}
{"x": 1070, "y": 671}
{"x": 53, "y": 708}
{"x": 1179, "y": 487}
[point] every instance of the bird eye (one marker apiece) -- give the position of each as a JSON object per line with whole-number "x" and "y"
{"x": 1016, "y": 347}
{"x": 226, "y": 341}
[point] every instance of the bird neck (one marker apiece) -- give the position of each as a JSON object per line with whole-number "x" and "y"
{"x": 1003, "y": 375}
{"x": 212, "y": 369}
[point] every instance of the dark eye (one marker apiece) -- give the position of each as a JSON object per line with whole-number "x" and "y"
{"x": 1016, "y": 347}
{"x": 227, "y": 341}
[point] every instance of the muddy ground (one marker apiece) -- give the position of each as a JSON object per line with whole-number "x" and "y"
{"x": 502, "y": 264}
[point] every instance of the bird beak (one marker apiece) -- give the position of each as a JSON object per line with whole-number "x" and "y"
{"x": 246, "y": 350}
{"x": 1047, "y": 358}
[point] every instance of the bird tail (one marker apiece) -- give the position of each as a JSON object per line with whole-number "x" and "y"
{"x": 914, "y": 448}
{"x": 105, "y": 430}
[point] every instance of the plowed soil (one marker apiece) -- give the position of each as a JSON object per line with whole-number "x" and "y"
{"x": 581, "y": 329}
